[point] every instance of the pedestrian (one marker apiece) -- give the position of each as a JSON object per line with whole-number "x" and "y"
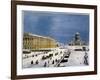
{"x": 45, "y": 64}
{"x": 37, "y": 62}
{"x": 56, "y": 60}
{"x": 53, "y": 62}
{"x": 31, "y": 62}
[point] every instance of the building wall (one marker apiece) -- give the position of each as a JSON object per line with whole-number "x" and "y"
{"x": 37, "y": 42}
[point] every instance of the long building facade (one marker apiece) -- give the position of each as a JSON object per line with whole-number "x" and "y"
{"x": 33, "y": 42}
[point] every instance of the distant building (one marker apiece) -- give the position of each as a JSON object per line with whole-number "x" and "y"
{"x": 77, "y": 40}
{"x": 31, "y": 42}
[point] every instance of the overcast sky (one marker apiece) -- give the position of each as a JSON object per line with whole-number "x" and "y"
{"x": 60, "y": 26}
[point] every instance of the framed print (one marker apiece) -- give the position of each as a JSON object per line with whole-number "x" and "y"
{"x": 52, "y": 39}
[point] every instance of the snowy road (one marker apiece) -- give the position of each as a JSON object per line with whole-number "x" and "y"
{"x": 76, "y": 58}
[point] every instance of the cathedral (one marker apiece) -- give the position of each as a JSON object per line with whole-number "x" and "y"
{"x": 77, "y": 40}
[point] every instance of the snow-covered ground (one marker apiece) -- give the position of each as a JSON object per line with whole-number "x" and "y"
{"x": 76, "y": 58}
{"x": 54, "y": 58}
{"x": 34, "y": 59}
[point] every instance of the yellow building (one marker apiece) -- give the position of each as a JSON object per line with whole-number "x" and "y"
{"x": 33, "y": 42}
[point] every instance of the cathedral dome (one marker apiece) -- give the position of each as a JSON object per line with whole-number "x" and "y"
{"x": 77, "y": 40}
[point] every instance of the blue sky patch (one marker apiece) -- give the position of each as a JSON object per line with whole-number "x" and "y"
{"x": 57, "y": 25}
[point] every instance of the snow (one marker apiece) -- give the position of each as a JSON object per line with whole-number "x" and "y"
{"x": 76, "y": 58}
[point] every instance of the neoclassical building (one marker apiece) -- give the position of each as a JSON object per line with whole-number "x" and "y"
{"x": 77, "y": 40}
{"x": 31, "y": 42}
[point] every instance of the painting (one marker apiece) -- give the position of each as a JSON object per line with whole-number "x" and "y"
{"x": 53, "y": 39}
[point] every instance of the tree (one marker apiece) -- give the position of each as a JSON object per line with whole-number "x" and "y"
{"x": 86, "y": 59}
